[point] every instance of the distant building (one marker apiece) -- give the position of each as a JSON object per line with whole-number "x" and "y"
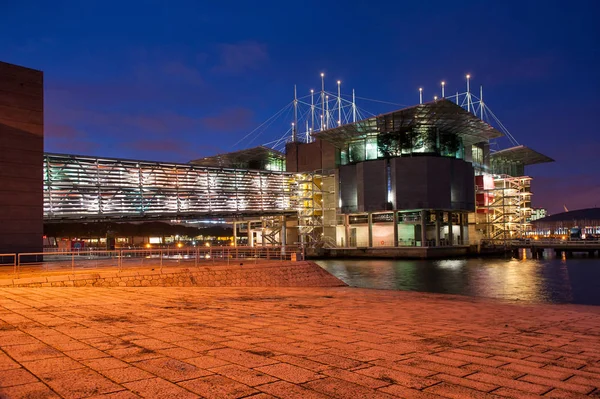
{"x": 588, "y": 220}
{"x": 538, "y": 213}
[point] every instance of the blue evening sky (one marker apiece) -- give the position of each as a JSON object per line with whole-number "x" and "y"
{"x": 177, "y": 80}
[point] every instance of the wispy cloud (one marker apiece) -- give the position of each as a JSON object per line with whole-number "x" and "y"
{"x": 183, "y": 72}
{"x": 230, "y": 120}
{"x": 241, "y": 57}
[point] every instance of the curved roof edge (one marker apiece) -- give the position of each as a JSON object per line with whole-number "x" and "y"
{"x": 578, "y": 214}
{"x": 522, "y": 154}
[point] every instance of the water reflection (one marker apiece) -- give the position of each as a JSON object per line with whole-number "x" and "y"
{"x": 551, "y": 280}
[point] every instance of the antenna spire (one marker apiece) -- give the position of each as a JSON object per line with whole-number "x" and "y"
{"x": 420, "y": 95}
{"x": 443, "y": 87}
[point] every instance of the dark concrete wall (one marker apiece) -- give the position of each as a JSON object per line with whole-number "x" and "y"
{"x": 308, "y": 157}
{"x": 21, "y": 159}
{"x": 371, "y": 182}
{"x": 348, "y": 191}
{"x": 432, "y": 183}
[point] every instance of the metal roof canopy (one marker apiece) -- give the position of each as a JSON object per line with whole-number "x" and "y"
{"x": 442, "y": 114}
{"x": 522, "y": 154}
{"x": 231, "y": 158}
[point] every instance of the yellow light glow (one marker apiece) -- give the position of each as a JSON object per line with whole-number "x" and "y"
{"x": 148, "y": 246}
{"x": 179, "y": 245}
{"x": 207, "y": 244}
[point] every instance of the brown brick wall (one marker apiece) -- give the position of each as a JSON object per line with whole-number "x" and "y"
{"x": 21, "y": 159}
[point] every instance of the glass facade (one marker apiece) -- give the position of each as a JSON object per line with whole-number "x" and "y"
{"x": 397, "y": 144}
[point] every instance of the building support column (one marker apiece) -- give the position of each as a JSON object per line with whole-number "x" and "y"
{"x": 438, "y": 216}
{"x": 450, "y": 233}
{"x": 347, "y": 231}
{"x": 395, "y": 219}
{"x": 423, "y": 227}
{"x": 263, "y": 229}
{"x": 465, "y": 229}
{"x": 282, "y": 234}
{"x": 250, "y": 238}
{"x": 370, "y": 230}
{"x": 460, "y": 229}
{"x": 235, "y": 234}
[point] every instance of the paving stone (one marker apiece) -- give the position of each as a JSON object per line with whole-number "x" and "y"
{"x": 13, "y": 377}
{"x": 35, "y": 390}
{"x": 171, "y": 369}
{"x": 217, "y": 387}
{"x": 244, "y": 375}
{"x": 79, "y": 383}
{"x": 126, "y": 374}
{"x": 289, "y": 372}
{"x": 157, "y": 388}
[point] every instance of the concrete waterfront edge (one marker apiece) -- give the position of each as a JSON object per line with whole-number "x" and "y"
{"x": 284, "y": 274}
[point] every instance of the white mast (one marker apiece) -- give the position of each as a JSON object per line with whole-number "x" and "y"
{"x": 312, "y": 109}
{"x": 420, "y": 95}
{"x": 307, "y": 132}
{"x": 322, "y": 99}
{"x": 469, "y": 93}
{"x": 339, "y": 103}
{"x": 353, "y": 107}
{"x": 326, "y": 112}
{"x": 295, "y": 116}
{"x": 481, "y": 101}
{"x": 443, "y": 86}
{"x": 456, "y": 98}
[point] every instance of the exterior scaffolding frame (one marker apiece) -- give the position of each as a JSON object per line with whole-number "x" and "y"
{"x": 508, "y": 214}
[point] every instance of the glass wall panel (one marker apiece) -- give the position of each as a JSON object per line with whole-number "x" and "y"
{"x": 371, "y": 148}
{"x": 356, "y": 151}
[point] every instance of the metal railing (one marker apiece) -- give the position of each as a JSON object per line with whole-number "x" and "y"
{"x": 81, "y": 260}
{"x": 541, "y": 242}
{"x": 405, "y": 243}
{"x": 8, "y": 260}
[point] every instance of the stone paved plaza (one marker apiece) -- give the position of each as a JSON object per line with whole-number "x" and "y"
{"x": 260, "y": 343}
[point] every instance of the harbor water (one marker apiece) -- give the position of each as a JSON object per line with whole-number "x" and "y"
{"x": 550, "y": 280}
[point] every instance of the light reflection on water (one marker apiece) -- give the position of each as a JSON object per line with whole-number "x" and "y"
{"x": 570, "y": 280}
